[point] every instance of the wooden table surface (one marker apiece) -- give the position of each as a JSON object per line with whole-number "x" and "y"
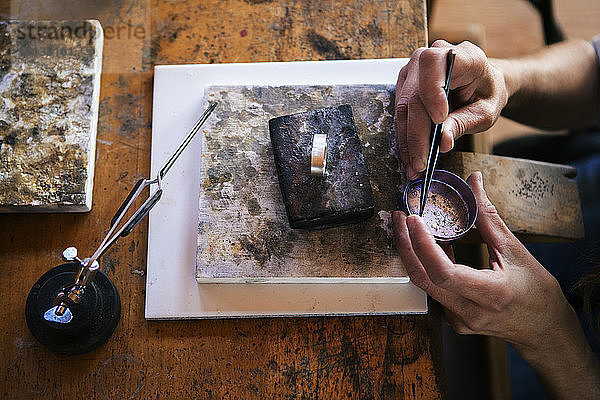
{"x": 340, "y": 357}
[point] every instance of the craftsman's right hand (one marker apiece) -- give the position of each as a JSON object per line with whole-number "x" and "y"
{"x": 477, "y": 95}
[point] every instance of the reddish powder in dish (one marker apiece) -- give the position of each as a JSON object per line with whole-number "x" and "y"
{"x": 445, "y": 212}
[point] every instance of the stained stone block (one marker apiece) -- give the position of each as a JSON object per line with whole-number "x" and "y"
{"x": 343, "y": 194}
{"x": 49, "y": 96}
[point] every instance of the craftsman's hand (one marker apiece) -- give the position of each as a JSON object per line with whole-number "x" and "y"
{"x": 477, "y": 93}
{"x": 516, "y": 299}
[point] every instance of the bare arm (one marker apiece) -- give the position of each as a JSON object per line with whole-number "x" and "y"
{"x": 516, "y": 299}
{"x": 557, "y": 88}
{"x": 567, "y": 368}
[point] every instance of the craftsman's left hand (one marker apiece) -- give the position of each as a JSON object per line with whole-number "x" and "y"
{"x": 516, "y": 299}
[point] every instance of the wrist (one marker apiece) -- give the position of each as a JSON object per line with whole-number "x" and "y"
{"x": 563, "y": 360}
{"x": 510, "y": 76}
{"x": 568, "y": 370}
{"x": 563, "y": 343}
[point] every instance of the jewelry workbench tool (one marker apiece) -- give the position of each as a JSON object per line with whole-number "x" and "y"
{"x": 434, "y": 151}
{"x": 74, "y": 307}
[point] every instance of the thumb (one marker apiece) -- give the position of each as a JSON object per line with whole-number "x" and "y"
{"x": 492, "y": 229}
{"x": 453, "y": 129}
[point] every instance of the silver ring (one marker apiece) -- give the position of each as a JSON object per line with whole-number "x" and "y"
{"x": 318, "y": 155}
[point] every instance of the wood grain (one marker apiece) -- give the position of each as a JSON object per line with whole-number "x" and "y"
{"x": 358, "y": 357}
{"x": 538, "y": 201}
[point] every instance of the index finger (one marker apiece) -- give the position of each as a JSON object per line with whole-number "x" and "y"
{"x": 473, "y": 284}
{"x": 400, "y": 116}
{"x": 432, "y": 77}
{"x": 417, "y": 273}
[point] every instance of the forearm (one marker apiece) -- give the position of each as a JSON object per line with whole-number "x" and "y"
{"x": 564, "y": 361}
{"x": 557, "y": 88}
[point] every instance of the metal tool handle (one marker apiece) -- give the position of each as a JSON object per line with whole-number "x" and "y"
{"x": 141, "y": 212}
{"x": 140, "y": 185}
{"x": 165, "y": 168}
{"x": 119, "y": 212}
{"x": 436, "y": 139}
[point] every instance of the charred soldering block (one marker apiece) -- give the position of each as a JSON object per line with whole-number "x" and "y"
{"x": 326, "y": 142}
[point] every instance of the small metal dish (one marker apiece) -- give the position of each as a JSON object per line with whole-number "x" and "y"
{"x": 451, "y": 208}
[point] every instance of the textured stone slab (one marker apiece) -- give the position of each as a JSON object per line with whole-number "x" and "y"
{"x": 49, "y": 95}
{"x": 243, "y": 232}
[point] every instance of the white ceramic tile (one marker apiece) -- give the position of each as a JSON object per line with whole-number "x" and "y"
{"x": 171, "y": 289}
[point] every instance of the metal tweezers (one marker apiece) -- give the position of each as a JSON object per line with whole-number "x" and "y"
{"x": 434, "y": 151}
{"x": 70, "y": 294}
{"x": 145, "y": 208}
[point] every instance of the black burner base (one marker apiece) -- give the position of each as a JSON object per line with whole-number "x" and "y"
{"x": 94, "y": 318}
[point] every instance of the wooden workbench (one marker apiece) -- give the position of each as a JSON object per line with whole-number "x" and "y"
{"x": 349, "y": 357}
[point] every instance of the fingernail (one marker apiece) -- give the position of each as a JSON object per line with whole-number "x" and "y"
{"x": 410, "y": 172}
{"x": 418, "y": 164}
{"x": 449, "y": 125}
{"x": 479, "y": 176}
{"x": 412, "y": 221}
{"x": 450, "y": 135}
{"x": 397, "y": 216}
{"x": 438, "y": 117}
{"x": 447, "y": 142}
